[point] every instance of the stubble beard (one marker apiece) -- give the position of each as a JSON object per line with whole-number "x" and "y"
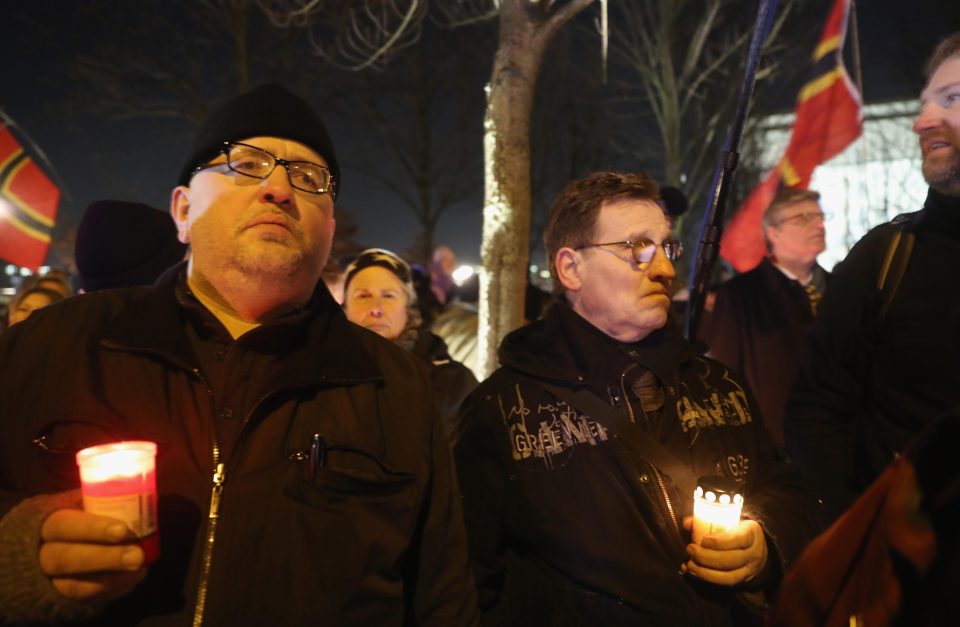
{"x": 270, "y": 258}
{"x": 943, "y": 176}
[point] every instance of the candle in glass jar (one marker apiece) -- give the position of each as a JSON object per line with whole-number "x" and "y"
{"x": 717, "y": 504}
{"x": 119, "y": 480}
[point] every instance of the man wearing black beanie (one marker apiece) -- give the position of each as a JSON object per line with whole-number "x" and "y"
{"x": 303, "y": 473}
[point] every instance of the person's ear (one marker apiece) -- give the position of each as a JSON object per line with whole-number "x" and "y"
{"x": 180, "y": 210}
{"x": 772, "y": 234}
{"x": 569, "y": 266}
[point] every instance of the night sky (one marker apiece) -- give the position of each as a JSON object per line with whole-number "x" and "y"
{"x": 104, "y": 156}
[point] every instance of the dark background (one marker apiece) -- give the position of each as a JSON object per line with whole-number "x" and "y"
{"x": 167, "y": 62}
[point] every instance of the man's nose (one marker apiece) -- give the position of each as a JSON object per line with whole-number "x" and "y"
{"x": 376, "y": 311}
{"x": 661, "y": 268}
{"x": 276, "y": 188}
{"x": 929, "y": 118}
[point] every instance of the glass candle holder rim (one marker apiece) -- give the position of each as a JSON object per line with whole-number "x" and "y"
{"x": 89, "y": 452}
{"x": 105, "y": 462}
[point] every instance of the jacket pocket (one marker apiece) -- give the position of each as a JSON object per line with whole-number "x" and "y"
{"x": 345, "y": 473}
{"x": 53, "y": 448}
{"x": 66, "y": 437}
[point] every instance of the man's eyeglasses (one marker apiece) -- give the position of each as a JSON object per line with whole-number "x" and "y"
{"x": 803, "y": 219}
{"x": 643, "y": 250}
{"x": 259, "y": 164}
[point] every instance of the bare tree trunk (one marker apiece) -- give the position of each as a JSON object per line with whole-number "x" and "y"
{"x": 525, "y": 30}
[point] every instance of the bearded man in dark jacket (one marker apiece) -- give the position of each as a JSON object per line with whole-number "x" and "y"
{"x": 870, "y": 382}
{"x": 569, "y": 522}
{"x": 303, "y": 473}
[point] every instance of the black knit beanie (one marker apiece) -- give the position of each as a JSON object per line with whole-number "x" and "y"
{"x": 264, "y": 111}
{"x": 122, "y": 244}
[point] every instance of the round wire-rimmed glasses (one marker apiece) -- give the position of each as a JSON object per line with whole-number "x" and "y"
{"x": 643, "y": 250}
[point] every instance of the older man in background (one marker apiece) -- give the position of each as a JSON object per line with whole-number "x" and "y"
{"x": 760, "y": 316}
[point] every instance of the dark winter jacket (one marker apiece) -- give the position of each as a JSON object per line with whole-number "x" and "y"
{"x": 570, "y": 526}
{"x": 451, "y": 380}
{"x": 866, "y": 386}
{"x": 756, "y": 328}
{"x": 373, "y": 537}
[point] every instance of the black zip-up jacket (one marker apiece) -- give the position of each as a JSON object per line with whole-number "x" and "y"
{"x": 570, "y": 526}
{"x": 373, "y": 537}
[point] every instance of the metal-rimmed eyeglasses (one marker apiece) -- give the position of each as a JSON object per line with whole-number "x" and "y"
{"x": 259, "y": 164}
{"x": 803, "y": 219}
{"x": 643, "y": 250}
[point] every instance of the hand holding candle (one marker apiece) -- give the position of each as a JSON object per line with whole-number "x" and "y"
{"x": 89, "y": 558}
{"x": 725, "y": 550}
{"x": 730, "y": 558}
{"x": 119, "y": 481}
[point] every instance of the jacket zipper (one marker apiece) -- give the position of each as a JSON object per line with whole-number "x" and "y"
{"x": 656, "y": 473}
{"x": 219, "y": 476}
{"x": 213, "y": 516}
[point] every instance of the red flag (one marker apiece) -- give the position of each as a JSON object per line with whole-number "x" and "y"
{"x": 28, "y": 206}
{"x": 828, "y": 119}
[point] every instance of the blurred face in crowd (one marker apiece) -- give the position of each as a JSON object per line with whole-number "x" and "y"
{"x": 797, "y": 233}
{"x": 27, "y": 305}
{"x": 55, "y": 284}
{"x": 606, "y": 286}
{"x": 259, "y": 227}
{"x": 445, "y": 260}
{"x": 375, "y": 298}
{"x": 938, "y": 128}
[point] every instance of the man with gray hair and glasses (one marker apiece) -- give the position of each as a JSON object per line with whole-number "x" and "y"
{"x": 760, "y": 316}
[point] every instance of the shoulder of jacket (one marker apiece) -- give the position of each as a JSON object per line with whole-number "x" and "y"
{"x": 873, "y": 245}
{"x": 392, "y": 360}
{"x": 504, "y": 381}
{"x": 906, "y": 218}
{"x": 743, "y": 282}
{"x": 84, "y": 311}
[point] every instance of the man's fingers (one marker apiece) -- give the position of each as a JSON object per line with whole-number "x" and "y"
{"x": 98, "y": 588}
{"x": 734, "y": 541}
{"x": 67, "y": 558}
{"x": 728, "y": 558}
{"x": 743, "y": 537}
{"x": 74, "y": 525}
{"x": 718, "y": 560}
{"x": 720, "y": 577}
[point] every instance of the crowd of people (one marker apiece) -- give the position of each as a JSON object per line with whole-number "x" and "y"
{"x": 325, "y": 460}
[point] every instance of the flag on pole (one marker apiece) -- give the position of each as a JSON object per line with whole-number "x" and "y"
{"x": 828, "y": 119}
{"x": 28, "y": 206}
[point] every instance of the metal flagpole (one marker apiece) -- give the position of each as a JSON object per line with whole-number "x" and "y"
{"x": 709, "y": 248}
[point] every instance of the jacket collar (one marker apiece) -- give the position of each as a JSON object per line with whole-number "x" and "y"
{"x": 317, "y": 343}
{"x": 942, "y": 213}
{"x": 775, "y": 276}
{"x": 566, "y": 348}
